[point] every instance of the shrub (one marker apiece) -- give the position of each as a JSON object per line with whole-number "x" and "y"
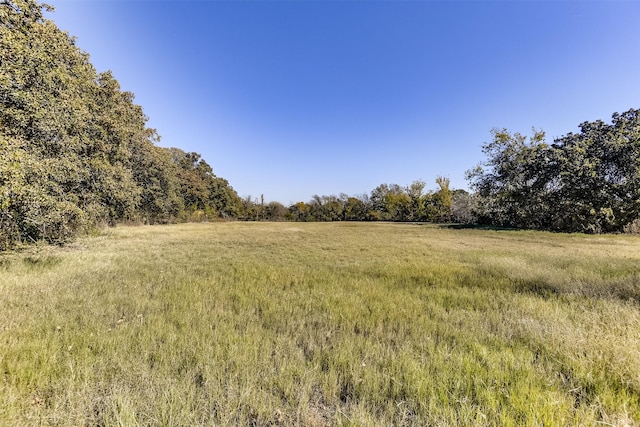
{"x": 633, "y": 227}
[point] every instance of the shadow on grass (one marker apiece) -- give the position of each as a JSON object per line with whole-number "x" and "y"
{"x": 4, "y": 262}
{"x": 457, "y": 226}
{"x": 452, "y": 226}
{"x": 45, "y": 261}
{"x": 537, "y": 287}
{"x": 623, "y": 290}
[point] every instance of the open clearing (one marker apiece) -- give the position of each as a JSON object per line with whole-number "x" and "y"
{"x": 321, "y": 324}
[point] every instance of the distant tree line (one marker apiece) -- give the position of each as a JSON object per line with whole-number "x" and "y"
{"x": 583, "y": 182}
{"x": 75, "y": 151}
{"x": 387, "y": 202}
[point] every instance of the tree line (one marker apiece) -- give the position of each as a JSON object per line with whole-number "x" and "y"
{"x": 387, "y": 202}
{"x": 76, "y": 153}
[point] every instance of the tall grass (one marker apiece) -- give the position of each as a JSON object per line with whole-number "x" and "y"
{"x": 322, "y": 324}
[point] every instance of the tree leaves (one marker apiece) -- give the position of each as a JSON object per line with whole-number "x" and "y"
{"x": 75, "y": 149}
{"x": 588, "y": 182}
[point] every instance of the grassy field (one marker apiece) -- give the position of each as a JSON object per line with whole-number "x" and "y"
{"x": 321, "y": 324}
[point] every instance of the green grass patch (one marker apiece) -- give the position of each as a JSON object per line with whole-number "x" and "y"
{"x": 322, "y": 324}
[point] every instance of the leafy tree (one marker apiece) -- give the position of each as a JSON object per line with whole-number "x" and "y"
{"x": 75, "y": 150}
{"x": 193, "y": 175}
{"x": 461, "y": 207}
{"x": 275, "y": 211}
{"x": 442, "y": 201}
{"x": 333, "y": 208}
{"x": 316, "y": 208}
{"x": 416, "y": 193}
{"x": 300, "y": 211}
{"x": 120, "y": 128}
{"x": 355, "y": 209}
{"x": 390, "y": 203}
{"x": 398, "y": 204}
{"x": 44, "y": 83}
{"x": 588, "y": 182}
{"x": 599, "y": 175}
{"x": 201, "y": 189}
{"x": 511, "y": 185}
{"x": 156, "y": 175}
{"x": 223, "y": 198}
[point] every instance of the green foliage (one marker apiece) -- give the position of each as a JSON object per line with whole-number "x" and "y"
{"x": 300, "y": 211}
{"x": 387, "y": 202}
{"x": 632, "y": 227}
{"x": 201, "y": 190}
{"x": 355, "y": 209}
{"x": 75, "y": 149}
{"x": 588, "y": 182}
{"x": 507, "y": 185}
{"x": 156, "y": 175}
{"x": 442, "y": 201}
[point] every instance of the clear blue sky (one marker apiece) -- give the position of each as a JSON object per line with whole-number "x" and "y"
{"x": 290, "y": 99}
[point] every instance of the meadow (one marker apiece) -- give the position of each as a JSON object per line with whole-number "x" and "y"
{"x": 318, "y": 324}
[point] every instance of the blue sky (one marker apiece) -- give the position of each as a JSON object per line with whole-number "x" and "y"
{"x": 290, "y": 99}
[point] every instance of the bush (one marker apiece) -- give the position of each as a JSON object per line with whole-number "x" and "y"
{"x": 633, "y": 227}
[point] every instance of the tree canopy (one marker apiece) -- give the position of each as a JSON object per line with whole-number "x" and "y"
{"x": 586, "y": 182}
{"x": 75, "y": 150}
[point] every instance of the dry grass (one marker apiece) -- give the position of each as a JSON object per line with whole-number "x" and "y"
{"x": 322, "y": 324}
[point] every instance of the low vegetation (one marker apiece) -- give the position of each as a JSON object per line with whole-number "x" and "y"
{"x": 321, "y": 324}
